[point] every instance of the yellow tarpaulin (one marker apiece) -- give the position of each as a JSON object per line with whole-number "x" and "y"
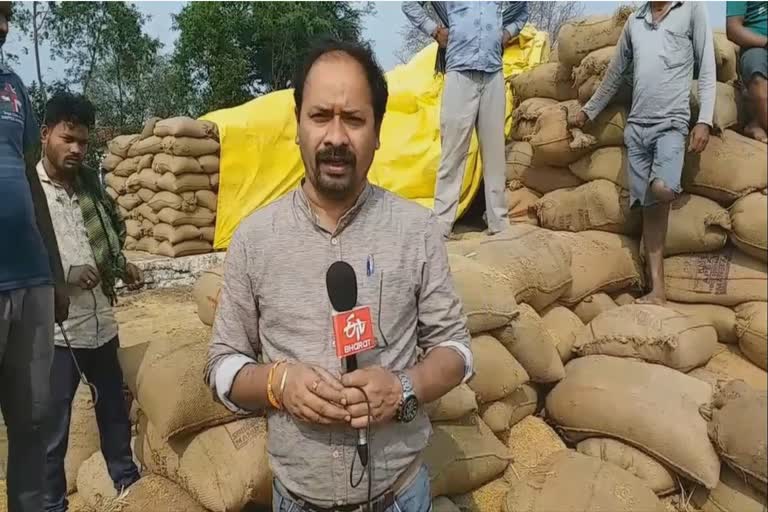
{"x": 260, "y": 160}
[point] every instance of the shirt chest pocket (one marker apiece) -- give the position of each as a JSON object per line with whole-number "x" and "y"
{"x": 678, "y": 48}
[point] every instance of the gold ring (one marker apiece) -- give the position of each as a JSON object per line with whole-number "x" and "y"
{"x": 314, "y": 385}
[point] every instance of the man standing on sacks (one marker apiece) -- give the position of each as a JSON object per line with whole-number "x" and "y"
{"x": 273, "y": 345}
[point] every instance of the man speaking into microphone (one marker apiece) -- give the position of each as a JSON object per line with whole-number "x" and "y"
{"x": 279, "y": 340}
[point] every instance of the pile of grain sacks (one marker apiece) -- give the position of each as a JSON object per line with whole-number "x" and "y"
{"x": 165, "y": 182}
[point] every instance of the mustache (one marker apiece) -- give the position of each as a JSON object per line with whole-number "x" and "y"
{"x": 335, "y": 154}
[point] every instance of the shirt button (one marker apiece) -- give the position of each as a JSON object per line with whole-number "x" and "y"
{"x": 334, "y": 241}
{"x": 336, "y": 454}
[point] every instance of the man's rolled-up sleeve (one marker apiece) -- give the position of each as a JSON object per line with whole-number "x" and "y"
{"x": 442, "y": 322}
{"x": 235, "y": 338}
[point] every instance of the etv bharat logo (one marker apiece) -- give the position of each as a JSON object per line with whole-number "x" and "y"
{"x": 354, "y": 331}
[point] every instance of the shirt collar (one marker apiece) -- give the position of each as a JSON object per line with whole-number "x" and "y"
{"x": 302, "y": 203}
{"x": 645, "y": 11}
{"x": 42, "y": 174}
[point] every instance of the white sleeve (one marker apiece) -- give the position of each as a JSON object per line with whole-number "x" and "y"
{"x": 466, "y": 354}
{"x": 226, "y": 371}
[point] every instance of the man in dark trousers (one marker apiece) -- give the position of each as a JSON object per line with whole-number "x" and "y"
{"x": 90, "y": 236}
{"x": 29, "y": 302}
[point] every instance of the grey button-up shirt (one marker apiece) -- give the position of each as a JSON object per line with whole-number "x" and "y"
{"x": 274, "y": 305}
{"x": 662, "y": 57}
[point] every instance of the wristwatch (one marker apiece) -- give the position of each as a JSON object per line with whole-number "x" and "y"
{"x": 409, "y": 404}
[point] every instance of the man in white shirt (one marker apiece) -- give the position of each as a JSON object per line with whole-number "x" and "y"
{"x": 90, "y": 236}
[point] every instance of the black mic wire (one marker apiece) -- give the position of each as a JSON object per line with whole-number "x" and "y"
{"x": 368, "y": 463}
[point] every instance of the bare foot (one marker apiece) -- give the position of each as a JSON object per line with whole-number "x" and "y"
{"x": 755, "y": 131}
{"x": 656, "y": 298}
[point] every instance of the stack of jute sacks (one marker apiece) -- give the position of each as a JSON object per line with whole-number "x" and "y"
{"x": 165, "y": 182}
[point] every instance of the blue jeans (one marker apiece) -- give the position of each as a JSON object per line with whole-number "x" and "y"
{"x": 417, "y": 497}
{"x": 102, "y": 369}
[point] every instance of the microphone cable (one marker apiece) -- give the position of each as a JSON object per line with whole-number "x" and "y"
{"x": 83, "y": 379}
{"x": 368, "y": 462}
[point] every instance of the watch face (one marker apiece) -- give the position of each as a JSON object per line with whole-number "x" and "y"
{"x": 409, "y": 409}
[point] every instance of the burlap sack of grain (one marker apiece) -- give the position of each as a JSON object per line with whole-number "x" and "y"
{"x": 175, "y": 364}
{"x": 222, "y": 468}
{"x": 122, "y": 212}
{"x": 209, "y": 163}
{"x": 497, "y": 372}
{"x": 130, "y": 243}
{"x": 146, "y": 194}
{"x": 129, "y": 201}
{"x": 749, "y": 216}
{"x": 531, "y": 344}
{"x": 752, "y": 331}
{"x": 185, "y": 127}
{"x": 94, "y": 484}
{"x": 726, "y": 112}
{"x": 147, "y": 244}
{"x": 726, "y": 58}
{"x": 629, "y": 458}
{"x": 579, "y": 38}
{"x": 208, "y": 233}
{"x": 488, "y": 497}
{"x": 149, "y": 146}
{"x": 149, "y": 128}
{"x": 206, "y": 293}
{"x": 147, "y": 226}
{"x": 652, "y": 333}
{"x": 732, "y": 494}
{"x": 443, "y": 504}
{"x": 649, "y": 406}
{"x": 130, "y": 359}
{"x": 721, "y": 318}
{"x": 729, "y": 363}
{"x": 457, "y": 403}
{"x": 739, "y": 431}
{"x": 133, "y": 228}
{"x": 552, "y": 141}
{"x": 746, "y": 162}
{"x": 530, "y": 442}
{"x": 111, "y": 192}
{"x": 183, "y": 183}
{"x": 184, "y": 202}
{"x": 198, "y": 217}
{"x": 188, "y": 146}
{"x": 121, "y": 144}
{"x": 156, "y": 492}
{"x": 727, "y": 277}
{"x": 518, "y": 156}
{"x": 603, "y": 164}
{"x": 146, "y": 178}
{"x": 520, "y": 203}
{"x": 551, "y": 80}
{"x": 600, "y": 262}
{"x": 207, "y": 199}
{"x": 214, "y": 181}
{"x": 593, "y": 65}
{"x": 83, "y": 435}
{"x": 584, "y": 483}
{"x": 175, "y": 234}
{"x": 596, "y": 205}
{"x": 185, "y": 248}
{"x": 133, "y": 184}
{"x": 623, "y": 95}
{"x": 164, "y": 163}
{"x": 511, "y": 410}
{"x": 534, "y": 266}
{"x": 145, "y": 212}
{"x": 624, "y": 298}
{"x": 463, "y": 455}
{"x": 116, "y": 183}
{"x": 608, "y": 126}
{"x": 525, "y": 115}
{"x": 564, "y": 326}
{"x": 545, "y": 178}
{"x": 110, "y": 162}
{"x": 696, "y": 224}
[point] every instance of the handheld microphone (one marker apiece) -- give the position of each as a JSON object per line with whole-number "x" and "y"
{"x": 341, "y": 283}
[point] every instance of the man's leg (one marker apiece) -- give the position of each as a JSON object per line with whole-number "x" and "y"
{"x": 25, "y": 383}
{"x": 103, "y": 371}
{"x": 754, "y": 71}
{"x": 458, "y": 113}
{"x": 64, "y": 382}
{"x": 417, "y": 497}
{"x": 490, "y": 132}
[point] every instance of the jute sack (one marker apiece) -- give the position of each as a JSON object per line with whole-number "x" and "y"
{"x": 624, "y": 298}
{"x": 133, "y": 228}
{"x": 214, "y": 181}
{"x": 564, "y": 326}
{"x": 726, "y": 112}
{"x": 185, "y": 127}
{"x": 206, "y": 293}
{"x": 747, "y": 163}
{"x": 497, "y": 373}
{"x": 145, "y": 212}
{"x": 149, "y": 127}
{"x": 133, "y": 183}
{"x": 184, "y": 202}
{"x": 608, "y": 126}
{"x": 443, "y": 504}
{"x": 545, "y": 178}
{"x": 83, "y": 435}
{"x": 129, "y": 201}
{"x": 146, "y": 194}
{"x": 649, "y": 406}
{"x": 147, "y": 226}
{"x": 130, "y": 359}
{"x": 525, "y": 115}
{"x": 739, "y": 431}
{"x": 110, "y": 162}
{"x": 111, "y": 192}
{"x": 629, "y": 458}
{"x": 147, "y": 178}
{"x": 457, "y": 403}
{"x": 208, "y": 233}
{"x": 732, "y": 494}
{"x": 123, "y": 213}
{"x": 577, "y": 39}
{"x": 222, "y": 468}
{"x": 198, "y": 217}
{"x": 652, "y": 333}
{"x": 147, "y": 244}
{"x": 206, "y": 198}
{"x": 94, "y": 483}
{"x": 531, "y": 441}
{"x": 603, "y": 164}
{"x": 121, "y": 144}
{"x": 729, "y": 363}
{"x": 176, "y": 164}
{"x": 551, "y": 80}
{"x": 145, "y": 161}
{"x": 519, "y": 155}
{"x": 130, "y": 243}
{"x": 209, "y": 164}
{"x": 463, "y": 455}
{"x": 187, "y": 146}
{"x": 183, "y": 183}
{"x": 696, "y": 224}
{"x": 531, "y": 344}
{"x": 596, "y": 205}
{"x": 127, "y": 167}
{"x": 116, "y": 183}
{"x": 488, "y": 497}
{"x": 535, "y": 267}
{"x": 552, "y": 141}
{"x": 185, "y": 248}
{"x": 509, "y": 411}
{"x": 520, "y": 203}
{"x": 585, "y": 483}
{"x": 600, "y": 262}
{"x": 593, "y": 65}
{"x": 727, "y": 277}
{"x": 176, "y": 365}
{"x": 749, "y": 216}
{"x": 726, "y": 58}
{"x": 149, "y": 146}
{"x": 622, "y": 97}
{"x": 175, "y": 234}
{"x": 752, "y": 330}
{"x": 721, "y": 318}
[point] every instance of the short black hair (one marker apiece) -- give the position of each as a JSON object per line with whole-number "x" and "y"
{"x": 363, "y": 54}
{"x": 6, "y": 8}
{"x": 70, "y": 108}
